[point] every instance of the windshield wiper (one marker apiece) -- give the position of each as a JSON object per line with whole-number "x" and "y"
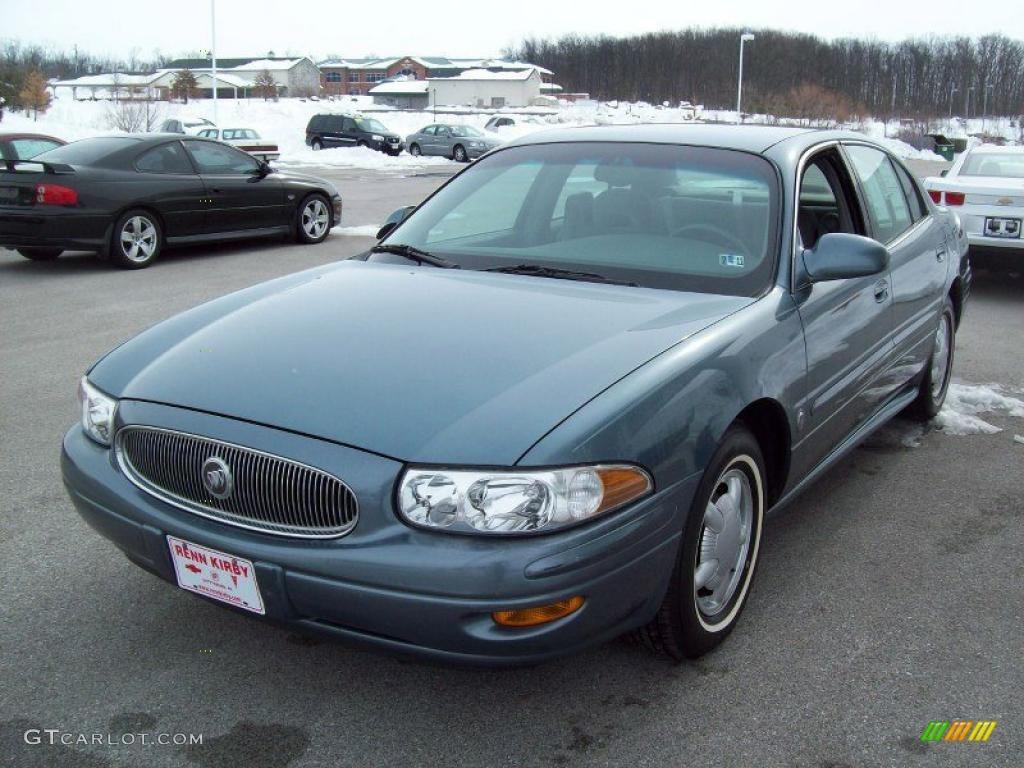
{"x": 411, "y": 252}
{"x": 537, "y": 270}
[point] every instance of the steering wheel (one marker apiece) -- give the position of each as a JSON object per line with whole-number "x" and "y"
{"x": 718, "y": 236}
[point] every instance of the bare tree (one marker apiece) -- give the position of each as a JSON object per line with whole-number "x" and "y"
{"x": 134, "y": 115}
{"x": 265, "y": 85}
{"x": 34, "y": 95}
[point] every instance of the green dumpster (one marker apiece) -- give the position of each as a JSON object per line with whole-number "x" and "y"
{"x": 944, "y": 146}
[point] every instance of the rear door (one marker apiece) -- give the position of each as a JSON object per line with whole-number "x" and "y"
{"x": 168, "y": 181}
{"x": 238, "y": 196}
{"x": 918, "y": 258}
{"x": 847, "y": 323}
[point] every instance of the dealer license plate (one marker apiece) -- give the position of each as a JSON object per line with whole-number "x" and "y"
{"x": 223, "y": 577}
{"x": 1001, "y": 227}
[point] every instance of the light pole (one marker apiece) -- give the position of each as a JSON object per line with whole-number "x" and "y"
{"x": 213, "y": 55}
{"x": 746, "y": 37}
{"x": 952, "y": 89}
{"x": 967, "y": 103}
{"x": 984, "y": 105}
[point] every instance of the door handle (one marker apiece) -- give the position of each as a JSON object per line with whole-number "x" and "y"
{"x": 940, "y": 254}
{"x": 881, "y": 290}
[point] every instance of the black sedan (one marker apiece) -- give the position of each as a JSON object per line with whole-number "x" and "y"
{"x": 127, "y": 197}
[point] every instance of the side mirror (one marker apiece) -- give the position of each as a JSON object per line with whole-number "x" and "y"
{"x": 392, "y": 221}
{"x": 839, "y": 255}
{"x": 944, "y": 173}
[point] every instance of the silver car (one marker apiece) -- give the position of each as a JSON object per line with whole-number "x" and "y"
{"x": 459, "y": 142}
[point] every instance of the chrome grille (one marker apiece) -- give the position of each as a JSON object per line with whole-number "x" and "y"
{"x": 269, "y": 494}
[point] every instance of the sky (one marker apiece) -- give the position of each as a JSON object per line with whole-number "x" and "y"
{"x": 453, "y": 27}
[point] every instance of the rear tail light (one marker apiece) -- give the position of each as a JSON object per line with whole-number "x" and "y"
{"x": 936, "y": 195}
{"x": 955, "y": 198}
{"x": 55, "y": 194}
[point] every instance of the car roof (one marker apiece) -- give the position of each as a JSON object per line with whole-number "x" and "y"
{"x": 748, "y": 138}
{"x": 986, "y": 149}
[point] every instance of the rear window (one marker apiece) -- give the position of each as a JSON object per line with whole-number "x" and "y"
{"x": 85, "y": 151}
{"x": 1004, "y": 165}
{"x": 663, "y": 216}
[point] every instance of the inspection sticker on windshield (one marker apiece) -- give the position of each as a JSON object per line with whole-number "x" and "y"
{"x": 730, "y": 259}
{"x": 219, "y": 575}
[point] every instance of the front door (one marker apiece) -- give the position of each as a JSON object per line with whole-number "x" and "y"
{"x": 239, "y": 197}
{"x": 847, "y": 323}
{"x": 168, "y": 181}
{"x": 918, "y": 258}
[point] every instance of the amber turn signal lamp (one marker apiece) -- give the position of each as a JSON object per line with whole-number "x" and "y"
{"x": 539, "y": 614}
{"x": 622, "y": 485}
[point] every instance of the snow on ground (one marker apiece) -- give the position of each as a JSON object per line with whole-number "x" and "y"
{"x": 959, "y": 415}
{"x": 362, "y": 230}
{"x": 285, "y": 121}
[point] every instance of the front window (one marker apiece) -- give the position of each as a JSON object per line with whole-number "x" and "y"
{"x": 662, "y": 216}
{"x": 466, "y": 131}
{"x": 1003, "y": 165}
{"x": 215, "y": 159}
{"x": 370, "y": 125}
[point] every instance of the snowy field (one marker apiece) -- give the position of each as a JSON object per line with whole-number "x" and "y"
{"x": 285, "y": 122}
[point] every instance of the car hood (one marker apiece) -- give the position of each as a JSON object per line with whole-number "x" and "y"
{"x": 417, "y": 363}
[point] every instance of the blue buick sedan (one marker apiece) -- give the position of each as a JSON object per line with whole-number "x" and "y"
{"x": 551, "y": 406}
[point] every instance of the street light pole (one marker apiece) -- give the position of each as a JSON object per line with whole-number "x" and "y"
{"x": 952, "y": 89}
{"x": 213, "y": 55}
{"x": 984, "y": 105}
{"x": 967, "y": 102}
{"x": 744, "y": 38}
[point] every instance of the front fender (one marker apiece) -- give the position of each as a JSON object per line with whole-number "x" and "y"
{"x": 670, "y": 414}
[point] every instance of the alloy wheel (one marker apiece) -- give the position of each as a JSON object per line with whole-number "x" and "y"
{"x": 138, "y": 239}
{"x": 941, "y": 356}
{"x": 725, "y": 540}
{"x": 315, "y": 219}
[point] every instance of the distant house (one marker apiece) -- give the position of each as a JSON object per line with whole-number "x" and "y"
{"x": 484, "y": 88}
{"x": 405, "y": 94}
{"x": 357, "y": 77}
{"x": 236, "y": 77}
{"x": 112, "y": 86}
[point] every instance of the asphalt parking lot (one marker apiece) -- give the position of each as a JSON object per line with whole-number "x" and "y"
{"x": 889, "y": 595}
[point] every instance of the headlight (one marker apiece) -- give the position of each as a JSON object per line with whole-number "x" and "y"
{"x": 476, "y": 144}
{"x": 375, "y": 137}
{"x": 97, "y": 412}
{"x": 529, "y": 501}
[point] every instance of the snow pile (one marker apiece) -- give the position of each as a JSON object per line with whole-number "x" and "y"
{"x": 959, "y": 415}
{"x": 359, "y": 157}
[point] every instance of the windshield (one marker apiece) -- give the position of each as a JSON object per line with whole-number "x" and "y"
{"x": 465, "y": 131}
{"x": 369, "y": 124}
{"x": 1005, "y": 165}
{"x": 662, "y": 216}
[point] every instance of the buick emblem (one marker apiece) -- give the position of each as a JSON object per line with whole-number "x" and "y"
{"x": 217, "y": 478}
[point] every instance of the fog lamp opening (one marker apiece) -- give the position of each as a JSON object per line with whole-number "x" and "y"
{"x": 538, "y": 614}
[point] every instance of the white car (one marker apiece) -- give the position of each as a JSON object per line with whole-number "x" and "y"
{"x": 190, "y": 125}
{"x": 246, "y": 139}
{"x": 985, "y": 187}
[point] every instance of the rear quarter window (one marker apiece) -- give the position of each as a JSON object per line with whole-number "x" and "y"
{"x": 86, "y": 151}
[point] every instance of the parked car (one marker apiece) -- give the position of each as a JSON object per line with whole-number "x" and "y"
{"x": 25, "y": 146}
{"x": 126, "y": 197}
{"x": 551, "y": 406}
{"x": 326, "y": 131}
{"x": 191, "y": 126}
{"x": 246, "y": 139}
{"x": 458, "y": 142}
{"x": 499, "y": 121}
{"x": 985, "y": 187}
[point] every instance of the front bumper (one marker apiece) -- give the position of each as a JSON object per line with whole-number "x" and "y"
{"x": 386, "y": 584}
